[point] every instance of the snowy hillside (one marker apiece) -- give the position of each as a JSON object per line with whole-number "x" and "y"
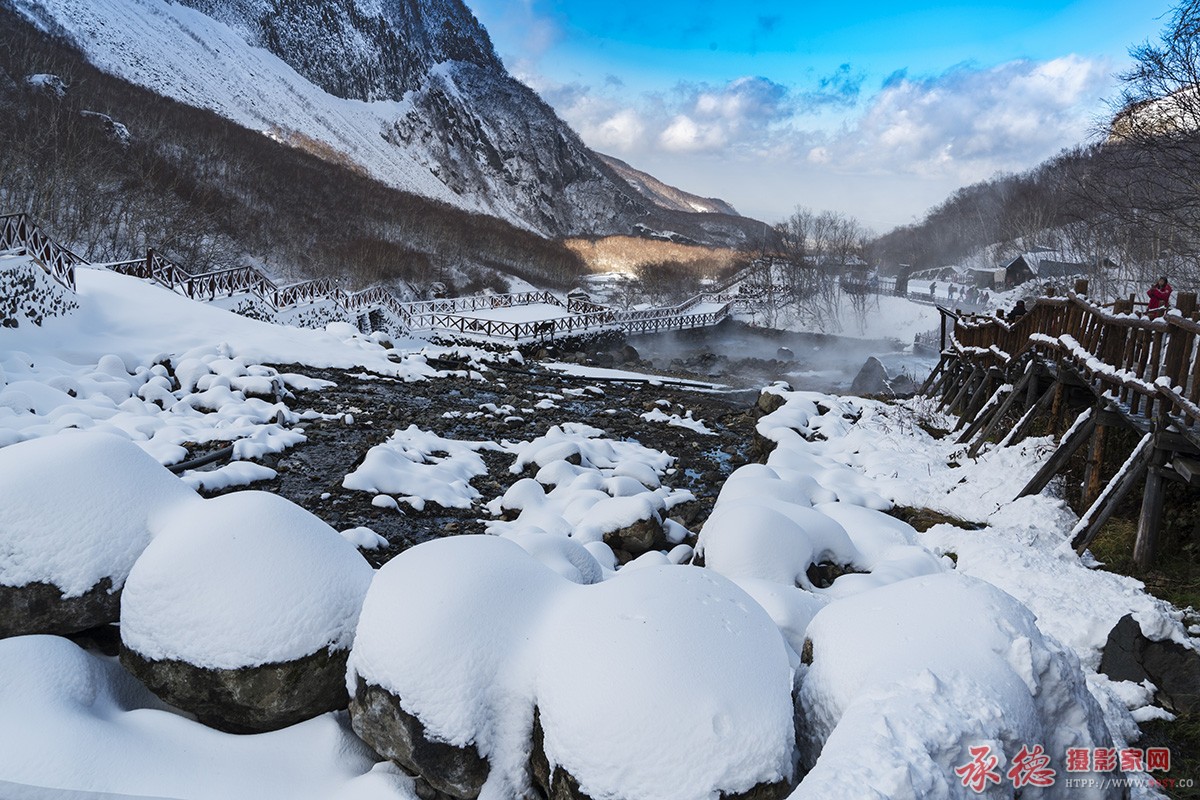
{"x": 413, "y": 95}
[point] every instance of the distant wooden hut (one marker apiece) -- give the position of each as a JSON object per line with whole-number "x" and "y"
{"x": 1044, "y": 265}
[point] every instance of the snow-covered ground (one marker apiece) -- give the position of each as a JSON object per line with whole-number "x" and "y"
{"x": 653, "y": 679}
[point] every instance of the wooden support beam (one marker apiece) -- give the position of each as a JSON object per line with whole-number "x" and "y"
{"x": 1168, "y": 473}
{"x": 950, "y": 390}
{"x": 1095, "y": 462}
{"x": 977, "y": 400}
{"x": 1079, "y": 433}
{"x": 983, "y": 413}
{"x": 1018, "y": 434}
{"x": 933, "y": 375}
{"x": 1058, "y": 407}
{"x": 1145, "y": 547}
{"x": 1187, "y": 468}
{"x": 1134, "y": 468}
{"x": 962, "y": 389}
{"x": 971, "y": 389}
{"x": 936, "y": 389}
{"x": 997, "y": 414}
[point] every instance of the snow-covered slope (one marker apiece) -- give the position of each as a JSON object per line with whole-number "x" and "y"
{"x": 411, "y": 93}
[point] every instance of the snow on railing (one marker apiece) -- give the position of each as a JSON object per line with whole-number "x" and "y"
{"x": 18, "y": 233}
{"x": 1149, "y": 365}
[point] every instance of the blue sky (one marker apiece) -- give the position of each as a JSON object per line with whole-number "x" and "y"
{"x": 877, "y": 109}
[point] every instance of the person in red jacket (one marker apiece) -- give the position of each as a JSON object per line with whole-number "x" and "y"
{"x": 1160, "y": 297}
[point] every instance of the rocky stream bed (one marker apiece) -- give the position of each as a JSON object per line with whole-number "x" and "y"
{"x": 363, "y": 410}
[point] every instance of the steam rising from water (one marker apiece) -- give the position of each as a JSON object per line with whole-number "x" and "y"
{"x": 819, "y": 362}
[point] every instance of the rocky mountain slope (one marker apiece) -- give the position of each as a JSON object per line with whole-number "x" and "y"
{"x": 665, "y": 195}
{"x": 410, "y": 93}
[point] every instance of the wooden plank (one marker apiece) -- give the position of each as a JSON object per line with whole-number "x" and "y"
{"x": 1095, "y": 462}
{"x": 1187, "y": 468}
{"x": 1134, "y": 468}
{"x": 1018, "y": 434}
{"x": 998, "y": 414}
{"x": 1080, "y": 432}
{"x": 1145, "y": 547}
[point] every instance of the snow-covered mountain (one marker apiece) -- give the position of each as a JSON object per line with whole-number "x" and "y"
{"x": 664, "y": 194}
{"x": 412, "y": 93}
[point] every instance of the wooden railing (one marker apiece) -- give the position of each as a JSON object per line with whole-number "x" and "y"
{"x": 887, "y": 287}
{"x": 249, "y": 280}
{"x": 21, "y": 234}
{"x": 1150, "y": 366}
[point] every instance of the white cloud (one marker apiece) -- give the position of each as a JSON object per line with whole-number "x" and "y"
{"x": 621, "y": 131}
{"x": 831, "y": 140}
{"x": 970, "y": 122}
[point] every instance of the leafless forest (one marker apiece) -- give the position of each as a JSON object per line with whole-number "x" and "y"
{"x": 110, "y": 169}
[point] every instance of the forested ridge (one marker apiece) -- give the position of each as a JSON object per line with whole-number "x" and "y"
{"x": 211, "y": 193}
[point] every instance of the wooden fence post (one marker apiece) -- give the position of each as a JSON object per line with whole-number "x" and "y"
{"x": 1186, "y": 303}
{"x": 1145, "y": 547}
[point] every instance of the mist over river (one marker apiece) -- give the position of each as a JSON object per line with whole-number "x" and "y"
{"x": 742, "y": 355}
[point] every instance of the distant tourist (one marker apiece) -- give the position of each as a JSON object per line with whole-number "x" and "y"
{"x": 1160, "y": 297}
{"x": 1017, "y": 312}
{"x": 951, "y": 291}
{"x": 932, "y": 288}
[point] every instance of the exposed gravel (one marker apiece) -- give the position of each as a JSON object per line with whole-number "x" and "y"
{"x": 311, "y": 474}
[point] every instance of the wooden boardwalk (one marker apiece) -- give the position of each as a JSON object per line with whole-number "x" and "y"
{"x": 376, "y": 308}
{"x": 1122, "y": 368}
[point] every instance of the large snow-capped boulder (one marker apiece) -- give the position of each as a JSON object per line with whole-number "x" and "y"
{"x": 663, "y": 682}
{"x": 749, "y": 539}
{"x": 475, "y": 664}
{"x": 444, "y": 629}
{"x": 76, "y": 511}
{"x": 907, "y": 678}
{"x": 242, "y": 611}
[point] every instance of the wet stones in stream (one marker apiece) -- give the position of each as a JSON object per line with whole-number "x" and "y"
{"x": 360, "y": 413}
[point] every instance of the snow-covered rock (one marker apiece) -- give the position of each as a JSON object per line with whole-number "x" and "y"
{"x": 76, "y": 511}
{"x": 905, "y": 680}
{"x": 664, "y": 682}
{"x": 242, "y": 610}
{"x": 698, "y": 678}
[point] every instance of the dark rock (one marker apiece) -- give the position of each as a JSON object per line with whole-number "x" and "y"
{"x": 823, "y": 575}
{"x": 250, "y": 699}
{"x": 769, "y": 402}
{"x": 628, "y": 354}
{"x": 1174, "y": 669}
{"x": 41, "y": 608}
{"x": 903, "y": 385}
{"x": 872, "y": 379}
{"x": 686, "y": 512}
{"x": 785, "y": 354}
{"x": 761, "y": 448}
{"x": 641, "y": 536}
{"x": 380, "y": 720}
